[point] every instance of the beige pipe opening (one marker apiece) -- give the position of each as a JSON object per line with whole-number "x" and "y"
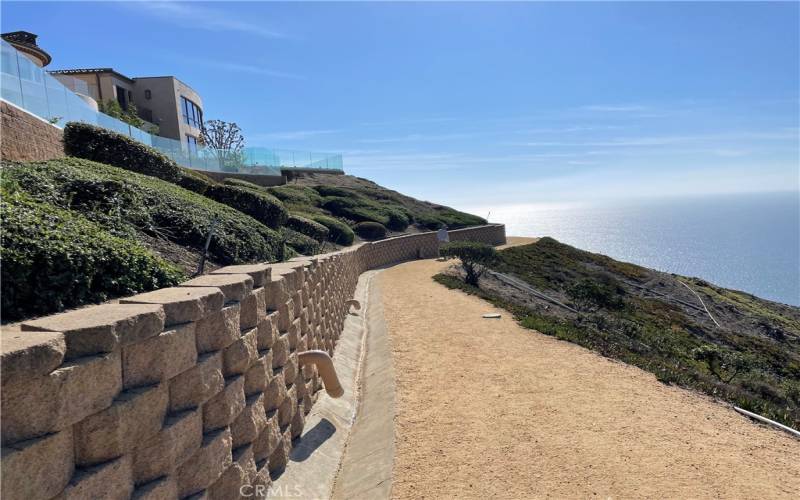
{"x": 326, "y": 370}
{"x": 352, "y": 303}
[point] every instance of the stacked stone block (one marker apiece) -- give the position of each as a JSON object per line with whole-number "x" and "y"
{"x": 27, "y": 137}
{"x": 194, "y": 390}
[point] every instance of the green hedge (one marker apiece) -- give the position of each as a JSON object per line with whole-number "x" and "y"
{"x": 310, "y": 228}
{"x": 232, "y": 181}
{"x": 397, "y": 220}
{"x": 338, "y": 232}
{"x": 299, "y": 242}
{"x": 55, "y": 259}
{"x": 102, "y": 145}
{"x": 126, "y": 203}
{"x": 296, "y": 196}
{"x": 370, "y": 230}
{"x": 260, "y": 205}
{"x": 195, "y": 181}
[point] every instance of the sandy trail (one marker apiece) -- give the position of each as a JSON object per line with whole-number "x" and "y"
{"x": 487, "y": 409}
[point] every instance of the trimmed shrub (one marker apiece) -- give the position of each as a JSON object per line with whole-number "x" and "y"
{"x": 232, "y": 181}
{"x": 54, "y": 259}
{"x": 101, "y": 145}
{"x": 396, "y": 219}
{"x": 126, "y": 203}
{"x": 312, "y": 229}
{"x": 353, "y": 210}
{"x": 299, "y": 242}
{"x": 475, "y": 257}
{"x": 296, "y": 196}
{"x": 370, "y": 230}
{"x": 338, "y": 232}
{"x": 195, "y": 181}
{"x": 429, "y": 222}
{"x": 335, "y": 191}
{"x": 260, "y": 205}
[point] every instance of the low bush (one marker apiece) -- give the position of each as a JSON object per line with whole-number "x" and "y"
{"x": 260, "y": 205}
{"x": 55, "y": 259}
{"x": 370, "y": 230}
{"x": 354, "y": 210}
{"x": 232, "y": 181}
{"x": 105, "y": 146}
{"x": 397, "y": 220}
{"x": 475, "y": 258}
{"x": 338, "y": 232}
{"x": 299, "y": 242}
{"x": 126, "y": 203}
{"x": 310, "y": 228}
{"x": 300, "y": 197}
{"x": 195, "y": 181}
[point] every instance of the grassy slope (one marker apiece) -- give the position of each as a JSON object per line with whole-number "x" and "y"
{"x": 656, "y": 329}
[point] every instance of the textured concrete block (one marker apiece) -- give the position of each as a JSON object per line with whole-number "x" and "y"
{"x": 260, "y": 273}
{"x": 38, "y": 468}
{"x": 276, "y": 293}
{"x": 298, "y": 422}
{"x": 163, "y": 488}
{"x": 269, "y": 438}
{"x": 234, "y": 287}
{"x": 288, "y": 407}
{"x": 267, "y": 331}
{"x": 197, "y": 385}
{"x": 160, "y": 455}
{"x": 253, "y": 309}
{"x": 250, "y": 422}
{"x": 285, "y": 315}
{"x": 234, "y": 482}
{"x": 280, "y": 351}
{"x": 182, "y": 305}
{"x": 99, "y": 329}
{"x": 238, "y": 356}
{"x": 207, "y": 464}
{"x": 159, "y": 358}
{"x": 40, "y": 405}
{"x": 258, "y": 376}
{"x": 135, "y": 416}
{"x": 218, "y": 330}
{"x": 110, "y": 480}
{"x": 29, "y": 354}
{"x": 276, "y": 391}
{"x": 280, "y": 456}
{"x": 291, "y": 368}
{"x": 221, "y": 410}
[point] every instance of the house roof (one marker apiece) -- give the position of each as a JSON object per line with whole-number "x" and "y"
{"x": 26, "y": 41}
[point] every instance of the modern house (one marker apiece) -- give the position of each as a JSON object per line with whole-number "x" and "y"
{"x": 170, "y": 104}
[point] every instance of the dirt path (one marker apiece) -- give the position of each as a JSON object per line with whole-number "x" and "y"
{"x": 487, "y": 409}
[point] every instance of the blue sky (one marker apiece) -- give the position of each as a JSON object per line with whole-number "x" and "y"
{"x": 454, "y": 102}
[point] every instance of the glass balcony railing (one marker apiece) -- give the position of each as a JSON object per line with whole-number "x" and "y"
{"x": 33, "y": 89}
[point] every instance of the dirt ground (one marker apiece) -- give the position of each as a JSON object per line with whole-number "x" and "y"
{"x": 488, "y": 409}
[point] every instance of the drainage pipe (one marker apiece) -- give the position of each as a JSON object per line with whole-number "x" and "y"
{"x": 326, "y": 370}
{"x": 765, "y": 420}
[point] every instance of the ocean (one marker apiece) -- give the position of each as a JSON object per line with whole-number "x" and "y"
{"x": 748, "y": 242}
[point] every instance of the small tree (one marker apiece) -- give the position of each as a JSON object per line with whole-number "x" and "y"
{"x": 475, "y": 258}
{"x": 720, "y": 361}
{"x": 113, "y": 109}
{"x": 225, "y": 142}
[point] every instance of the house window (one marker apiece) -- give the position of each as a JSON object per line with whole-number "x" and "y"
{"x": 122, "y": 98}
{"x": 192, "y": 115}
{"x": 191, "y": 143}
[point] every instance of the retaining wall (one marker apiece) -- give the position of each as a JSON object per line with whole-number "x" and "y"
{"x": 26, "y": 137}
{"x": 191, "y": 390}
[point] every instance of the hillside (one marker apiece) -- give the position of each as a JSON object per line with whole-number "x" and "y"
{"x": 122, "y": 219}
{"x": 748, "y": 354}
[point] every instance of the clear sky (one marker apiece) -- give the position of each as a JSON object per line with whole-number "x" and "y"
{"x": 507, "y": 103}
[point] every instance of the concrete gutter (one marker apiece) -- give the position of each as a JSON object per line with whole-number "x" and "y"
{"x": 342, "y": 454}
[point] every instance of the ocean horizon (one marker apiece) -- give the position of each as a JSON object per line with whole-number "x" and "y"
{"x": 748, "y": 242}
